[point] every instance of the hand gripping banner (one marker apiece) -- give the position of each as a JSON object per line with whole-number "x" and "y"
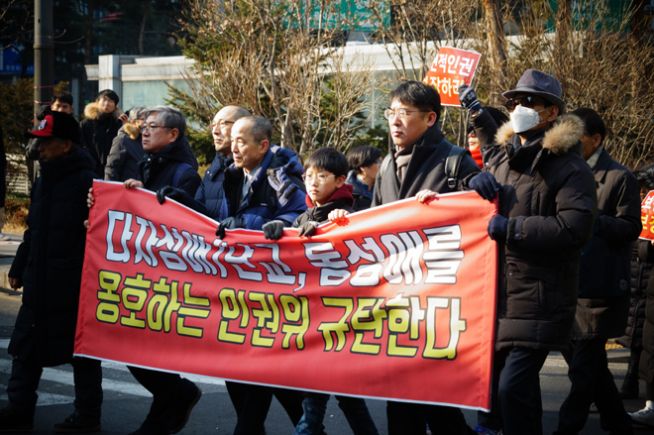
{"x": 397, "y": 303}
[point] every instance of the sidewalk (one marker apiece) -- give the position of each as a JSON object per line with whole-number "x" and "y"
{"x": 8, "y": 246}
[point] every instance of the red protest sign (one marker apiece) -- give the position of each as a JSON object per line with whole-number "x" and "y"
{"x": 647, "y": 216}
{"x": 403, "y": 311}
{"x": 452, "y": 68}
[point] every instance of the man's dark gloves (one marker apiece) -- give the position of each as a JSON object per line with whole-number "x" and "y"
{"x": 468, "y": 98}
{"x": 170, "y": 192}
{"x": 308, "y": 228}
{"x": 497, "y": 228}
{"x": 273, "y": 230}
{"x": 485, "y": 184}
{"x": 229, "y": 223}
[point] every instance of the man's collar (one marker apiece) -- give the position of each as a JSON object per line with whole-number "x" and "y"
{"x": 592, "y": 160}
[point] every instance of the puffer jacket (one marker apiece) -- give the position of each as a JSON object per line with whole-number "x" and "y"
{"x": 276, "y": 192}
{"x": 172, "y": 166}
{"x": 604, "y": 274}
{"x": 49, "y": 261}
{"x": 548, "y": 196}
{"x": 341, "y": 199}
{"x": 360, "y": 191}
{"x": 211, "y": 192}
{"x": 124, "y": 157}
{"x": 98, "y": 132}
{"x": 641, "y": 269}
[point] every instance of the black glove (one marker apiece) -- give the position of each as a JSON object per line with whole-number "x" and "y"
{"x": 228, "y": 223}
{"x": 497, "y": 228}
{"x": 308, "y": 228}
{"x": 485, "y": 184}
{"x": 468, "y": 98}
{"x": 167, "y": 191}
{"x": 273, "y": 230}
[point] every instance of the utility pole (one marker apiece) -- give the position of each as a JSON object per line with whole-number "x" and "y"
{"x": 43, "y": 53}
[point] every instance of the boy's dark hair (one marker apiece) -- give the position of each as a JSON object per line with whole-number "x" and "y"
{"x": 362, "y": 156}
{"x": 419, "y": 95}
{"x": 593, "y": 123}
{"x": 328, "y": 159}
{"x": 113, "y": 96}
{"x": 64, "y": 97}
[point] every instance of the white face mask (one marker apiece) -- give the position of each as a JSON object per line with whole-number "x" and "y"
{"x": 524, "y": 119}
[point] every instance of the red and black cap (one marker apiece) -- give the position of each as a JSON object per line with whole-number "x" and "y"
{"x": 57, "y": 124}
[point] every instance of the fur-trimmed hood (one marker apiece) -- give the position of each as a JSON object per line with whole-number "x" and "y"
{"x": 92, "y": 111}
{"x": 563, "y": 136}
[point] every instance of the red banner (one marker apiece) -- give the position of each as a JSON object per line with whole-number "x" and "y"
{"x": 452, "y": 68}
{"x": 398, "y": 303}
{"x": 647, "y": 216}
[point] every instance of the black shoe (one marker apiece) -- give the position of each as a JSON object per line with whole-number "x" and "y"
{"x": 78, "y": 423}
{"x": 154, "y": 423}
{"x": 186, "y": 398}
{"x": 13, "y": 420}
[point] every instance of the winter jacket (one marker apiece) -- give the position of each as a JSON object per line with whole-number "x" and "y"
{"x": 604, "y": 272}
{"x": 172, "y": 166}
{"x": 211, "y": 192}
{"x": 361, "y": 192}
{"x": 341, "y": 199}
{"x": 49, "y": 261}
{"x": 124, "y": 157}
{"x": 641, "y": 269}
{"x": 426, "y": 170}
{"x": 646, "y": 366}
{"x": 276, "y": 192}
{"x": 548, "y": 196}
{"x": 98, "y": 131}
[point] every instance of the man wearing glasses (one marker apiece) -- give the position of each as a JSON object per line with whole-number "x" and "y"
{"x": 547, "y": 203}
{"x": 416, "y": 163}
{"x": 211, "y": 192}
{"x": 167, "y": 163}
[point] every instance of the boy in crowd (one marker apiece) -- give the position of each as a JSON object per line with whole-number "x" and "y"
{"x": 324, "y": 179}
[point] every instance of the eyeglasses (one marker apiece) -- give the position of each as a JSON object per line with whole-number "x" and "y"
{"x": 526, "y": 101}
{"x": 222, "y": 123}
{"x": 402, "y": 113}
{"x": 320, "y": 177}
{"x": 152, "y": 127}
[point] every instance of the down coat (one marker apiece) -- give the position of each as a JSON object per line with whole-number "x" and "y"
{"x": 548, "y": 196}
{"x": 604, "y": 278}
{"x": 276, "y": 191}
{"x": 49, "y": 261}
{"x": 98, "y": 132}
{"x": 641, "y": 268}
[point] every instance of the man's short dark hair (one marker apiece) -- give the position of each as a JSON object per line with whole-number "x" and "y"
{"x": 328, "y": 159}
{"x": 362, "y": 156}
{"x": 593, "y": 123}
{"x": 63, "y": 97}
{"x": 170, "y": 117}
{"x": 419, "y": 95}
{"x": 260, "y": 127}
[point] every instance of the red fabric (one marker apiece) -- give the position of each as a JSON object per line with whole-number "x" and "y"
{"x": 397, "y": 303}
{"x": 344, "y": 192}
{"x": 475, "y": 152}
{"x": 647, "y": 216}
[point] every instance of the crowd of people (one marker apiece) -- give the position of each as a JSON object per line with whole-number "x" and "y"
{"x": 568, "y": 220}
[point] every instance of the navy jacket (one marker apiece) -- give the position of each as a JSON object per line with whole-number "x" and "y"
{"x": 211, "y": 192}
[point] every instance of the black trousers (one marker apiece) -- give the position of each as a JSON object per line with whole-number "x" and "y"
{"x": 591, "y": 382}
{"x": 252, "y": 403}
{"x": 87, "y": 375}
{"x": 517, "y": 407}
{"x": 412, "y": 419}
{"x": 159, "y": 384}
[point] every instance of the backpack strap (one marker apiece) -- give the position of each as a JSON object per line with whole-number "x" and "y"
{"x": 453, "y": 164}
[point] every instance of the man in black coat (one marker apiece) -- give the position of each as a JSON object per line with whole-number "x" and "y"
{"x": 48, "y": 265}
{"x": 547, "y": 205}
{"x": 167, "y": 164}
{"x": 603, "y": 287}
{"x": 416, "y": 163}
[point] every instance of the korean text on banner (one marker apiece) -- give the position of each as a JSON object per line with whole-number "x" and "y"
{"x": 452, "y": 68}
{"x": 398, "y": 303}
